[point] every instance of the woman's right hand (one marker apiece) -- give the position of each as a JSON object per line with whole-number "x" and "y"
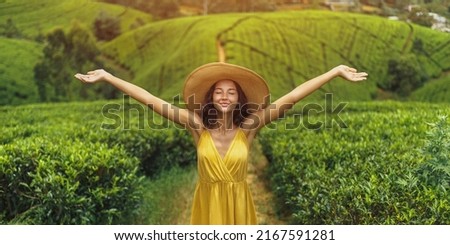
{"x": 93, "y": 76}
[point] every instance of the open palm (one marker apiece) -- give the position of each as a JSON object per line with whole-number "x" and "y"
{"x": 92, "y": 76}
{"x": 351, "y": 74}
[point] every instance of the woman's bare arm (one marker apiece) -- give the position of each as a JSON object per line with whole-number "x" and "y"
{"x": 277, "y": 109}
{"x": 181, "y": 116}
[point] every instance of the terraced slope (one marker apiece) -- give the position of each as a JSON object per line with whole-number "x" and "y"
{"x": 287, "y": 48}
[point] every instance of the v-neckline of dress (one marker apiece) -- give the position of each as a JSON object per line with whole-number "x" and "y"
{"x": 229, "y": 147}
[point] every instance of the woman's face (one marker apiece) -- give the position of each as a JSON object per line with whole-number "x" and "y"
{"x": 225, "y": 96}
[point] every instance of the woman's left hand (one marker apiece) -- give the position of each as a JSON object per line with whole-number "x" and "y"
{"x": 350, "y": 73}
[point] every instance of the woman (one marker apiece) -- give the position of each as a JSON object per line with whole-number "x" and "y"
{"x": 226, "y": 105}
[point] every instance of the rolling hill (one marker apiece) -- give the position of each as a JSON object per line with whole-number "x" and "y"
{"x": 34, "y": 19}
{"x": 286, "y": 48}
{"x": 38, "y": 17}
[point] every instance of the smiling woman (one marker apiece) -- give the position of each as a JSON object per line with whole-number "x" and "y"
{"x": 226, "y": 105}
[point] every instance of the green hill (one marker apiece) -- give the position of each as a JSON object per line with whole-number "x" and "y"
{"x": 17, "y": 59}
{"x": 38, "y": 17}
{"x": 287, "y": 48}
{"x": 434, "y": 91}
{"x": 33, "y": 19}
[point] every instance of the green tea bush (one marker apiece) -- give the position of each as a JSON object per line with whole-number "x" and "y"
{"x": 47, "y": 181}
{"x": 365, "y": 173}
{"x": 435, "y": 170}
{"x": 60, "y": 165}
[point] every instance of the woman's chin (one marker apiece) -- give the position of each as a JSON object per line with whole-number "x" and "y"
{"x": 225, "y": 109}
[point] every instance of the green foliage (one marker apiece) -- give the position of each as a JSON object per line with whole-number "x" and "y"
{"x": 159, "y": 208}
{"x": 286, "y": 48}
{"x": 364, "y": 173}
{"x": 44, "y": 182}
{"x": 437, "y": 90}
{"x": 33, "y": 18}
{"x": 17, "y": 58}
{"x": 404, "y": 75}
{"x": 162, "y": 9}
{"x": 106, "y": 27}
{"x": 64, "y": 55}
{"x": 421, "y": 17}
{"x": 435, "y": 170}
{"x": 10, "y": 30}
{"x": 161, "y": 57}
{"x": 60, "y": 160}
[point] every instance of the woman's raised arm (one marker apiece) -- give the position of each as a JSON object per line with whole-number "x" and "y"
{"x": 181, "y": 116}
{"x": 277, "y": 109}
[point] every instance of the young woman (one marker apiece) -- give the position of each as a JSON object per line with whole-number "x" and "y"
{"x": 226, "y": 105}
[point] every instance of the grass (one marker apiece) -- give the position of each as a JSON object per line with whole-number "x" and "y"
{"x": 167, "y": 199}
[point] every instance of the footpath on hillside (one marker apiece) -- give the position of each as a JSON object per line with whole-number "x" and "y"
{"x": 259, "y": 186}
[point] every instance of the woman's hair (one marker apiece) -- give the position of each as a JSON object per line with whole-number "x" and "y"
{"x": 209, "y": 112}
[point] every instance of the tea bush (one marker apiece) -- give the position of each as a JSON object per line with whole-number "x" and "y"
{"x": 59, "y": 165}
{"x": 366, "y": 173}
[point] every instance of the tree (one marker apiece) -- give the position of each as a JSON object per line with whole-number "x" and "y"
{"x": 404, "y": 75}
{"x": 10, "y": 30}
{"x": 52, "y": 68}
{"x": 63, "y": 55}
{"x": 106, "y": 27}
{"x": 421, "y": 17}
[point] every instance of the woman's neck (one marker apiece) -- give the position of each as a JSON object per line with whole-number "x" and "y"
{"x": 225, "y": 122}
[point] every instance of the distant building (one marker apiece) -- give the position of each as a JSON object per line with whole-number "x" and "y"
{"x": 440, "y": 23}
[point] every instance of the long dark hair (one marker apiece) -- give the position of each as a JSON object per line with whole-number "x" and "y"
{"x": 209, "y": 112}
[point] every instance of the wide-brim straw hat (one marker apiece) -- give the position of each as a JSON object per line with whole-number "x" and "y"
{"x": 198, "y": 83}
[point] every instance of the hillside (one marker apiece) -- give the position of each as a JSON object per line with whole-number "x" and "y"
{"x": 17, "y": 59}
{"x": 437, "y": 90}
{"x": 38, "y": 17}
{"x": 33, "y": 19}
{"x": 286, "y": 48}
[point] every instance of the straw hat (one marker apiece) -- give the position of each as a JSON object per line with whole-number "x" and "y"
{"x": 201, "y": 79}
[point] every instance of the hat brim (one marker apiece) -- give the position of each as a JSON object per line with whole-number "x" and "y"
{"x": 198, "y": 83}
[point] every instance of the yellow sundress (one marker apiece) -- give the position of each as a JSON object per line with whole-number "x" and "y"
{"x": 222, "y": 196}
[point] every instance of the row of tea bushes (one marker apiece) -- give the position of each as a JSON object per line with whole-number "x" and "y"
{"x": 59, "y": 165}
{"x": 381, "y": 168}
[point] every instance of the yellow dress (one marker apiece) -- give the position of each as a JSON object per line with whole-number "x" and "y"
{"x": 222, "y": 196}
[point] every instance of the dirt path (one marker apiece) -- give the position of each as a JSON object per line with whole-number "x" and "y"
{"x": 259, "y": 186}
{"x": 220, "y": 51}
